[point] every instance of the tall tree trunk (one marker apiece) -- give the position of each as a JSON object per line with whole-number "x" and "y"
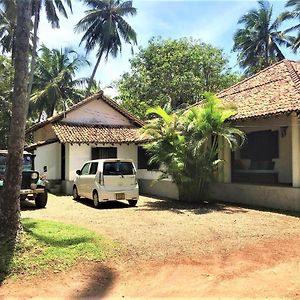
{"x": 9, "y": 200}
{"x": 93, "y": 75}
{"x": 37, "y": 7}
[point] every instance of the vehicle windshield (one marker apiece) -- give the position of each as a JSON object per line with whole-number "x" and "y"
{"x": 118, "y": 168}
{"x": 27, "y": 162}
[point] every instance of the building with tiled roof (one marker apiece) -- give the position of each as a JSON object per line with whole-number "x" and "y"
{"x": 273, "y": 91}
{"x": 96, "y": 127}
{"x": 266, "y": 171}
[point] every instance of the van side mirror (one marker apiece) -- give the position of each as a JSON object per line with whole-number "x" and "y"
{"x": 78, "y": 172}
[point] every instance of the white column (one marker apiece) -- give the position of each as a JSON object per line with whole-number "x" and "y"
{"x": 227, "y": 163}
{"x": 295, "y": 150}
{"x": 221, "y": 157}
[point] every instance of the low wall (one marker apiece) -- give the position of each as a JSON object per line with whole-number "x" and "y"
{"x": 276, "y": 197}
{"x": 164, "y": 188}
{"x": 67, "y": 187}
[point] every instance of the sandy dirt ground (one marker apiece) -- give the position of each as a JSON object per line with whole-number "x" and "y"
{"x": 170, "y": 249}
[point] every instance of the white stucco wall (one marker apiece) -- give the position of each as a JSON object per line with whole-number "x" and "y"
{"x": 96, "y": 112}
{"x": 276, "y": 197}
{"x": 50, "y": 156}
{"x": 76, "y": 155}
{"x": 283, "y": 164}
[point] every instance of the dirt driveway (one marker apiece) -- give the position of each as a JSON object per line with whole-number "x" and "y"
{"x": 173, "y": 249}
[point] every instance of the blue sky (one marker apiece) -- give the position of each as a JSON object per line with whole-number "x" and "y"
{"x": 211, "y": 21}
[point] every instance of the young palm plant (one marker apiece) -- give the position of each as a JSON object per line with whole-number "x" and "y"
{"x": 186, "y": 144}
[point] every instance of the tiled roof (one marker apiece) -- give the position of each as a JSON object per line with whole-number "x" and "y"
{"x": 95, "y": 134}
{"x": 274, "y": 90}
{"x": 96, "y": 96}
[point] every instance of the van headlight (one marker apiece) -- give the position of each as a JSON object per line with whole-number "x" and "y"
{"x": 34, "y": 175}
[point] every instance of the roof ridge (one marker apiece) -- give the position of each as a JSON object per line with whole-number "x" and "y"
{"x": 254, "y": 75}
{"x": 294, "y": 74}
{"x": 60, "y": 115}
{"x": 96, "y": 96}
{"x": 122, "y": 110}
{"x": 93, "y": 125}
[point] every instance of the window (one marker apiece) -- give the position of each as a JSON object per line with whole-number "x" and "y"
{"x": 261, "y": 145}
{"x": 143, "y": 160}
{"x": 2, "y": 163}
{"x": 85, "y": 169}
{"x": 118, "y": 168}
{"x": 94, "y": 168}
{"x": 104, "y": 152}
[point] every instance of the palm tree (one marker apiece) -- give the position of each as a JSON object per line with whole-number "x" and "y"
{"x": 104, "y": 27}
{"x": 10, "y": 197}
{"x": 7, "y": 25}
{"x": 55, "y": 87}
{"x": 294, "y": 14}
{"x": 51, "y": 8}
{"x": 258, "y": 43}
{"x": 186, "y": 143}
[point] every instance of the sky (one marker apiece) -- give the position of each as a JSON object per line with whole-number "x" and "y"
{"x": 213, "y": 22}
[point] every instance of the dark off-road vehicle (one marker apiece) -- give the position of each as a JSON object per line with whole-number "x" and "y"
{"x": 33, "y": 187}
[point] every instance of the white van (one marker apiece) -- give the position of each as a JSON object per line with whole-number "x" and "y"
{"x": 103, "y": 180}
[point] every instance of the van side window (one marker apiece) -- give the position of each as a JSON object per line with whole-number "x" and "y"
{"x": 94, "y": 168}
{"x": 85, "y": 169}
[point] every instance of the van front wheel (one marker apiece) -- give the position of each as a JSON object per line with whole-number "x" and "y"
{"x": 96, "y": 200}
{"x": 132, "y": 202}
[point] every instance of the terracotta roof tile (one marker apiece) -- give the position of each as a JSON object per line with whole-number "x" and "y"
{"x": 272, "y": 91}
{"x": 95, "y": 134}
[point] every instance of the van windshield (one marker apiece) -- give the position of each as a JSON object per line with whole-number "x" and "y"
{"x": 118, "y": 168}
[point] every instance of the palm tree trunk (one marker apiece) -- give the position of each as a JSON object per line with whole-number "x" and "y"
{"x": 37, "y": 5}
{"x": 9, "y": 200}
{"x": 93, "y": 74}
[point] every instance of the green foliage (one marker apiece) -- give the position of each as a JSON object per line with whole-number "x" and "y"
{"x": 173, "y": 70}
{"x": 293, "y": 14}
{"x": 55, "y": 86}
{"x": 52, "y": 246}
{"x": 258, "y": 42}
{"x": 186, "y": 143}
{"x": 8, "y": 17}
{"x": 6, "y": 75}
{"x": 104, "y": 27}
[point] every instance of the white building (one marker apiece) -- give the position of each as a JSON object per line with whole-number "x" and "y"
{"x": 96, "y": 127}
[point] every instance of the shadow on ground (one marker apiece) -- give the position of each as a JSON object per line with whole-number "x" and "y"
{"x": 104, "y": 205}
{"x": 28, "y": 205}
{"x": 181, "y": 207}
{"x": 99, "y": 281}
{"x": 7, "y": 250}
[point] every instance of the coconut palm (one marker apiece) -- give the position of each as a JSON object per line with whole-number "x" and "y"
{"x": 294, "y": 14}
{"x": 10, "y": 203}
{"x": 186, "y": 143}
{"x": 55, "y": 86}
{"x": 104, "y": 28}
{"x": 51, "y": 8}
{"x": 258, "y": 43}
{"x": 7, "y": 25}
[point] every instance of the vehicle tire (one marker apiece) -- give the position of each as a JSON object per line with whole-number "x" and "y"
{"x": 41, "y": 199}
{"x": 96, "y": 199}
{"x": 132, "y": 202}
{"x": 75, "y": 193}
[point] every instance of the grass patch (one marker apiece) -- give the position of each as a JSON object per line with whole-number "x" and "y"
{"x": 47, "y": 245}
